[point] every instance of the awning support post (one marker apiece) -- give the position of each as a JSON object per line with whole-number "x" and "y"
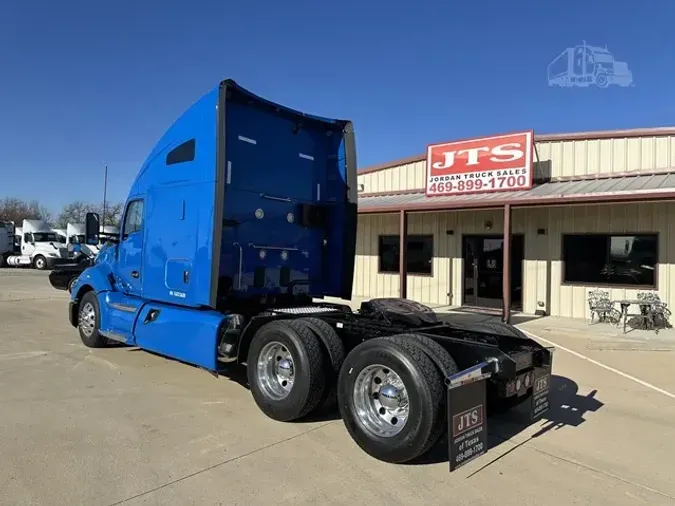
{"x": 506, "y": 277}
{"x": 403, "y": 256}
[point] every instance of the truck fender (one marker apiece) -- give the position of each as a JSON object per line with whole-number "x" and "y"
{"x": 90, "y": 280}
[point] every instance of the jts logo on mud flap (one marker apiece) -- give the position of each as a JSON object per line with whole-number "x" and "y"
{"x": 541, "y": 384}
{"x": 467, "y": 420}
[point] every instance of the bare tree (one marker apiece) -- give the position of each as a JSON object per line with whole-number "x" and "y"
{"x": 76, "y": 212}
{"x": 45, "y": 214}
{"x": 17, "y": 210}
{"x": 113, "y": 213}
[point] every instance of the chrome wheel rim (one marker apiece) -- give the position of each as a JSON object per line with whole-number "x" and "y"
{"x": 276, "y": 371}
{"x": 87, "y": 319}
{"x": 381, "y": 401}
{"x": 39, "y": 263}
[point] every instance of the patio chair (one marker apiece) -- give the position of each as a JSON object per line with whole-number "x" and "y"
{"x": 600, "y": 304}
{"x": 657, "y": 314}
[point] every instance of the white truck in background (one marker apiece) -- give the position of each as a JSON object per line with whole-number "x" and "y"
{"x": 75, "y": 234}
{"x": 39, "y": 247}
{"x": 61, "y": 235}
{"x": 109, "y": 230}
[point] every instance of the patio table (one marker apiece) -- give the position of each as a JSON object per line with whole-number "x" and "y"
{"x": 644, "y": 313}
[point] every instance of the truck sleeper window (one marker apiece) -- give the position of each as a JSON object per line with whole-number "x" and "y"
{"x": 183, "y": 153}
{"x": 133, "y": 221}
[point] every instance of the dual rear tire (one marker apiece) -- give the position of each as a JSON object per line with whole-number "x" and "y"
{"x": 392, "y": 396}
{"x": 390, "y": 391}
{"x": 285, "y": 369}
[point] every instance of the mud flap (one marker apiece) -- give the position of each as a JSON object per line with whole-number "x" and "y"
{"x": 467, "y": 414}
{"x": 541, "y": 386}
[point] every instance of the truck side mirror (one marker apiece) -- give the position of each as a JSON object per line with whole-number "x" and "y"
{"x": 73, "y": 248}
{"x": 92, "y": 228}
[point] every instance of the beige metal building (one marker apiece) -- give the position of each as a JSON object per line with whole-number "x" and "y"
{"x": 600, "y": 213}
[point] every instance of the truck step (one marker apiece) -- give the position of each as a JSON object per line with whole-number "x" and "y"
{"x": 304, "y": 310}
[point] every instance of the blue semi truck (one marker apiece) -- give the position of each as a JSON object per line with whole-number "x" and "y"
{"x": 240, "y": 222}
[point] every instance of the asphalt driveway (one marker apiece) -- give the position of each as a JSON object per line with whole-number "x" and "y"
{"x": 122, "y": 426}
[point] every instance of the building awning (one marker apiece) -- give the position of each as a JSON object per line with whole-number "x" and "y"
{"x": 629, "y": 188}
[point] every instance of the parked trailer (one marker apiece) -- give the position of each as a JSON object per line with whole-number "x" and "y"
{"x": 241, "y": 217}
{"x": 7, "y": 241}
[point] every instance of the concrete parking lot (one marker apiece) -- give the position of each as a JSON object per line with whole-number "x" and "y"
{"x": 122, "y": 426}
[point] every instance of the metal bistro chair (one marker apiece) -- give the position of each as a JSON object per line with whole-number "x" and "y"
{"x": 656, "y": 313}
{"x": 600, "y": 304}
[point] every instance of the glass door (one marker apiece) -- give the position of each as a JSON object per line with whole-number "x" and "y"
{"x": 484, "y": 270}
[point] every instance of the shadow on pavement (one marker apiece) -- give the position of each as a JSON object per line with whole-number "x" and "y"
{"x": 237, "y": 373}
{"x": 567, "y": 409}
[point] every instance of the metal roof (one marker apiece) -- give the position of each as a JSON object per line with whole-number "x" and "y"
{"x": 616, "y": 189}
{"x": 539, "y": 138}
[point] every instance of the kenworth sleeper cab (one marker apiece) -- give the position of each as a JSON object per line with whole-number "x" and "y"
{"x": 240, "y": 219}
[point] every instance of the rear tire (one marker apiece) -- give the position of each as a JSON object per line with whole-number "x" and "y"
{"x": 334, "y": 356}
{"x": 89, "y": 321}
{"x": 445, "y": 365}
{"x": 285, "y": 370}
{"x": 390, "y": 424}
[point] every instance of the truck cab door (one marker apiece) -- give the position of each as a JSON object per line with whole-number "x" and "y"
{"x": 27, "y": 245}
{"x": 130, "y": 248}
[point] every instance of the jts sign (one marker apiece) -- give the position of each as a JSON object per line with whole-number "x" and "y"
{"x": 497, "y": 163}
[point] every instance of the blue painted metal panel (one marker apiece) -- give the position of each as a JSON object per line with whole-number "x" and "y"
{"x": 186, "y": 334}
{"x": 118, "y": 313}
{"x": 95, "y": 277}
{"x": 130, "y": 260}
{"x": 173, "y": 270}
{"x": 275, "y": 163}
{"x": 179, "y": 207}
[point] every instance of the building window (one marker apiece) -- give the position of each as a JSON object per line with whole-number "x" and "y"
{"x": 183, "y": 153}
{"x": 420, "y": 253}
{"x": 603, "y": 259}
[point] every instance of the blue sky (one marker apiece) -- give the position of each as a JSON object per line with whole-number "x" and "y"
{"x": 85, "y": 83}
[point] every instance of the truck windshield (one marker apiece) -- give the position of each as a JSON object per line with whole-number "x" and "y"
{"x": 603, "y": 57}
{"x": 44, "y": 237}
